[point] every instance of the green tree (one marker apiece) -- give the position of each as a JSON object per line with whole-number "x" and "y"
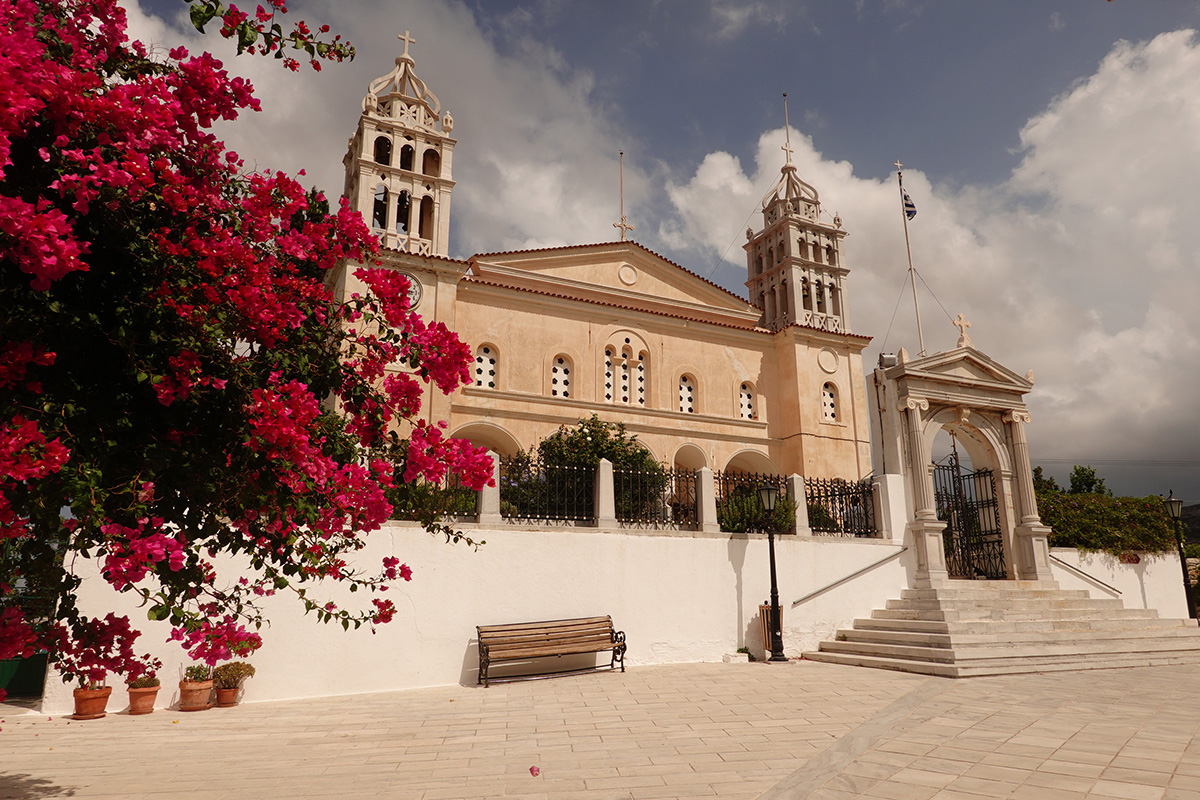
{"x": 1042, "y": 484}
{"x": 1084, "y": 480}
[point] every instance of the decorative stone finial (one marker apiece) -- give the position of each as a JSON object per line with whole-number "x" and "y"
{"x": 447, "y": 122}
{"x": 902, "y": 355}
{"x": 1029, "y": 376}
{"x": 961, "y": 323}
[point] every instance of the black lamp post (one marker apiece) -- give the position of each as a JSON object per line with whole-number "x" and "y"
{"x": 1175, "y": 510}
{"x": 767, "y": 495}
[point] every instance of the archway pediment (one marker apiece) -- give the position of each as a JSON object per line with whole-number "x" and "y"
{"x": 962, "y": 375}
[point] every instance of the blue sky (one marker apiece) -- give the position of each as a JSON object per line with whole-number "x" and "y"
{"x": 1051, "y": 148}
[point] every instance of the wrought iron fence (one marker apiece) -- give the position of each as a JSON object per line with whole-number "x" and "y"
{"x": 655, "y": 497}
{"x": 739, "y": 509}
{"x": 838, "y": 507}
{"x": 423, "y": 499}
{"x": 532, "y": 490}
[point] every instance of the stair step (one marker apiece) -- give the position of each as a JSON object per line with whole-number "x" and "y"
{"x": 1005, "y": 667}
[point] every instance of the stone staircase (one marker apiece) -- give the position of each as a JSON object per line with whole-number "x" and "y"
{"x": 1009, "y": 627}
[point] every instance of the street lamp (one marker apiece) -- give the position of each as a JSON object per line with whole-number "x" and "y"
{"x": 767, "y": 495}
{"x": 1175, "y": 510}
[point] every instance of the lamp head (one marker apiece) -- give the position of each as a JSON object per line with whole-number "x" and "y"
{"x": 767, "y": 495}
{"x": 1174, "y": 506}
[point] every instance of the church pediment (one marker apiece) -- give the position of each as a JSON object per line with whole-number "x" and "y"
{"x": 960, "y": 374}
{"x": 624, "y": 273}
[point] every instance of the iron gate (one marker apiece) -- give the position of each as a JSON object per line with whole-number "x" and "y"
{"x": 967, "y": 502}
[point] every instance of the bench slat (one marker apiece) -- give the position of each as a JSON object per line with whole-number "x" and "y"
{"x": 527, "y": 640}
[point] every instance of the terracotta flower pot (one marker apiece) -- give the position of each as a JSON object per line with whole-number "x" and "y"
{"x": 195, "y": 695}
{"x": 141, "y": 701}
{"x": 227, "y": 698}
{"x": 90, "y": 703}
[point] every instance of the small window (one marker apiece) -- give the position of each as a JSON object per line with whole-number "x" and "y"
{"x": 425, "y": 223}
{"x": 560, "y": 377}
{"x": 431, "y": 163}
{"x": 687, "y": 394}
{"x": 403, "y": 203}
{"x": 485, "y": 367}
{"x": 380, "y": 211}
{"x": 608, "y": 375}
{"x": 639, "y": 389}
{"x": 829, "y": 403}
{"x": 383, "y": 151}
{"x": 746, "y": 401}
{"x": 406, "y": 157}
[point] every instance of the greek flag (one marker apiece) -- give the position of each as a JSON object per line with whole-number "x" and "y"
{"x": 910, "y": 208}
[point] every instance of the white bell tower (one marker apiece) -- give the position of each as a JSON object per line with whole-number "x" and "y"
{"x": 398, "y": 167}
{"x": 794, "y": 263}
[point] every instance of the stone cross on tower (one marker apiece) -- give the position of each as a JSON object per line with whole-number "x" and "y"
{"x": 961, "y": 323}
{"x": 407, "y": 41}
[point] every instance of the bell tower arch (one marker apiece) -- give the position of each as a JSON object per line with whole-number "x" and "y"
{"x": 398, "y": 164}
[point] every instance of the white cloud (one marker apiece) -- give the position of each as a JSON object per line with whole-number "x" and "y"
{"x": 1084, "y": 265}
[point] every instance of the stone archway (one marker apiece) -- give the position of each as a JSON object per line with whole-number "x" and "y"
{"x": 967, "y": 392}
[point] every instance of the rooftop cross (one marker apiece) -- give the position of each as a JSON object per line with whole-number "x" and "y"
{"x": 961, "y": 323}
{"x": 407, "y": 41}
{"x": 787, "y": 133}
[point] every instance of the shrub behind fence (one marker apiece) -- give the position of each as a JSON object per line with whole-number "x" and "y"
{"x": 837, "y": 507}
{"x": 739, "y": 509}
{"x": 656, "y": 498}
{"x": 532, "y": 490}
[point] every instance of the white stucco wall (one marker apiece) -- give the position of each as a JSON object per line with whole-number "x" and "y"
{"x": 678, "y": 597}
{"x": 1156, "y": 581}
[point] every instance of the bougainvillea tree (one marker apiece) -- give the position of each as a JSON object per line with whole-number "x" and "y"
{"x": 177, "y": 382}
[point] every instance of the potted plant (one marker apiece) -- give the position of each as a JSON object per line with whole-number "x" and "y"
{"x": 228, "y": 678}
{"x": 91, "y": 695}
{"x": 195, "y": 690}
{"x": 142, "y": 683}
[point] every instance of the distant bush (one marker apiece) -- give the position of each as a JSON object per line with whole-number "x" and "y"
{"x": 1100, "y": 523}
{"x": 741, "y": 511}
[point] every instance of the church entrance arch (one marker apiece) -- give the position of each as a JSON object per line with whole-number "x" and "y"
{"x": 966, "y": 501}
{"x": 980, "y": 522}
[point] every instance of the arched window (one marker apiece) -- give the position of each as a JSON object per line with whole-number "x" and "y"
{"x": 624, "y": 368}
{"x": 485, "y": 366}
{"x": 431, "y": 163}
{"x": 829, "y": 403}
{"x": 746, "y": 402}
{"x": 406, "y": 157}
{"x": 626, "y": 376}
{"x": 830, "y": 255}
{"x": 425, "y": 225}
{"x": 379, "y": 214}
{"x": 560, "y": 377}
{"x": 383, "y": 151}
{"x": 608, "y": 375}
{"x": 639, "y": 387}
{"x": 403, "y": 203}
{"x": 687, "y": 394}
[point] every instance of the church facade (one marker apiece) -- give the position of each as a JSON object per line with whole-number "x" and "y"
{"x": 703, "y": 377}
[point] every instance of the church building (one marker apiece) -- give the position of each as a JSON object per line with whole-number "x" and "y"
{"x": 703, "y": 377}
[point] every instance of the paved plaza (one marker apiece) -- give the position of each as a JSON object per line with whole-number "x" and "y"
{"x": 785, "y": 732}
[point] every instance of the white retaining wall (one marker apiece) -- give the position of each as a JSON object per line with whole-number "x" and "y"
{"x": 679, "y": 597}
{"x": 1154, "y": 581}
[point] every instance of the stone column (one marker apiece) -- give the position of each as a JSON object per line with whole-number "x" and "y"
{"x": 1031, "y": 537}
{"x": 706, "y": 501}
{"x": 487, "y": 505}
{"x": 925, "y": 527}
{"x": 605, "y": 499}
{"x": 795, "y": 490}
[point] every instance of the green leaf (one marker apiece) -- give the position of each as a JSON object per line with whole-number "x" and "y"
{"x": 201, "y": 15}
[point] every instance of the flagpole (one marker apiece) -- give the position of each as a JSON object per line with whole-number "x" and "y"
{"x": 912, "y": 272}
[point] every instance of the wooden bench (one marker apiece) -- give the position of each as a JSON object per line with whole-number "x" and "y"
{"x": 562, "y": 637}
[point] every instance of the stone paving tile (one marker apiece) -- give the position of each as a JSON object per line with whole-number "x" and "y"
{"x": 804, "y": 731}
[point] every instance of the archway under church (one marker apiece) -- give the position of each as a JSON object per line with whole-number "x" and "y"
{"x": 690, "y": 457}
{"x": 969, "y": 475}
{"x": 753, "y": 462}
{"x": 489, "y": 435}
